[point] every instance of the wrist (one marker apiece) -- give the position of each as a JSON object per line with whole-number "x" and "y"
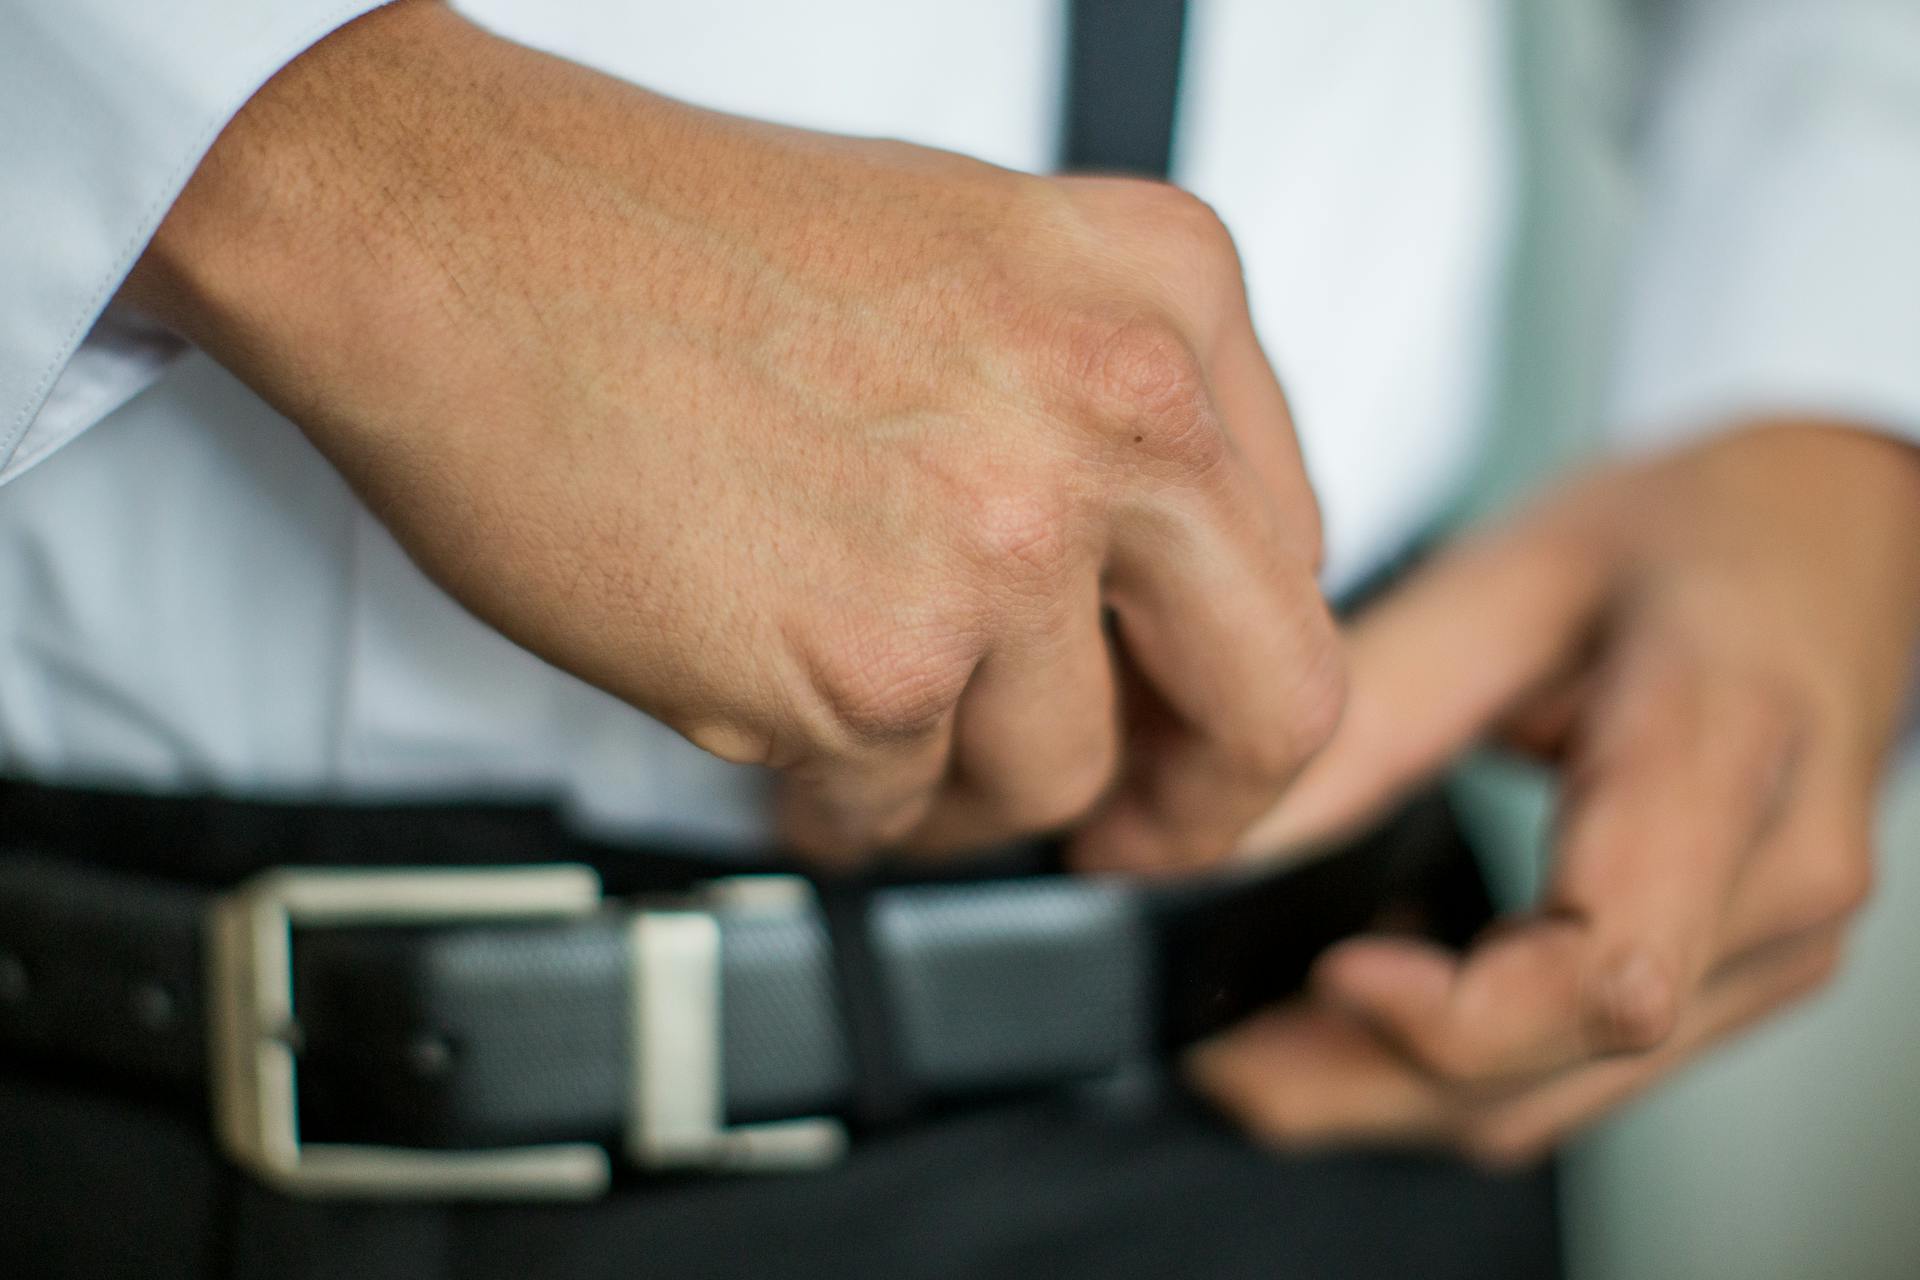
{"x": 305, "y": 199}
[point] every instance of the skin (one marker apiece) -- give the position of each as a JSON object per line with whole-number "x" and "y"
{"x": 964, "y": 499}
{"x": 1713, "y": 648}
{"x": 968, "y": 502}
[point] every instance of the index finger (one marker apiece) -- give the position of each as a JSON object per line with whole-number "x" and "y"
{"x": 1238, "y": 671}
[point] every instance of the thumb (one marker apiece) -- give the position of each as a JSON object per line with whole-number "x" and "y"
{"x": 1463, "y": 642}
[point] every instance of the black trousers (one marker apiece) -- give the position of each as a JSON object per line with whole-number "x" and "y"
{"x": 98, "y": 1184}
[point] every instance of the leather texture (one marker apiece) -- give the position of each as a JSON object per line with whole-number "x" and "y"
{"x": 480, "y": 1035}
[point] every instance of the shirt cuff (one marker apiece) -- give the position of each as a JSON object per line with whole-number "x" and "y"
{"x": 111, "y": 104}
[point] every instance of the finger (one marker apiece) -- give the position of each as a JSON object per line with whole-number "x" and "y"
{"x": 1815, "y": 868}
{"x": 1305, "y": 1075}
{"x": 1431, "y": 667}
{"x": 835, "y": 811}
{"x": 1678, "y": 782}
{"x": 1036, "y": 741}
{"x": 1257, "y": 414}
{"x": 1431, "y": 1004}
{"x": 1239, "y": 674}
{"x": 1526, "y": 1127}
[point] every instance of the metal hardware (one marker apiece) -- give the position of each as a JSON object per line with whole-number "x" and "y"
{"x": 250, "y": 970}
{"x": 677, "y": 1116}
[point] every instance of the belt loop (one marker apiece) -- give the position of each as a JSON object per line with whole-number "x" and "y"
{"x": 676, "y": 1113}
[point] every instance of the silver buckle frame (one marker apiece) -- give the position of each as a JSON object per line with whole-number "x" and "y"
{"x": 677, "y": 1109}
{"x": 250, "y": 967}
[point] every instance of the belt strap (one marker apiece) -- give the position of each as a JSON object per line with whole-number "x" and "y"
{"x": 502, "y": 1032}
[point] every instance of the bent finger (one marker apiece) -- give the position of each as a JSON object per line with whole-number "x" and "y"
{"x": 1036, "y": 741}
{"x": 1432, "y": 666}
{"x": 1816, "y": 867}
{"x": 1261, "y": 421}
{"x": 835, "y": 811}
{"x": 1239, "y": 677}
{"x": 1531, "y": 1124}
{"x": 1685, "y": 771}
{"x": 1305, "y": 1075}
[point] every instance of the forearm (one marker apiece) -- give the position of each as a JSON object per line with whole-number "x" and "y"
{"x": 327, "y": 241}
{"x": 110, "y": 106}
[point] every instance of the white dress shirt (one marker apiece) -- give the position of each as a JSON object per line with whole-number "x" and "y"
{"x": 190, "y": 598}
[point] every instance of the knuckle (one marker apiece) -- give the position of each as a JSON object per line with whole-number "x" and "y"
{"x": 1822, "y": 885}
{"x": 1067, "y": 795}
{"x": 1143, "y": 362}
{"x": 1503, "y": 1145}
{"x": 1635, "y": 1003}
{"x": 1304, "y": 722}
{"x": 1823, "y": 966}
{"x": 1839, "y": 884}
{"x": 1030, "y": 533}
{"x": 1144, "y": 388}
{"x": 885, "y": 690}
{"x": 1187, "y": 223}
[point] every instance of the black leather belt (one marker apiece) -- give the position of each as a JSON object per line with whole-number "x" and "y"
{"x": 465, "y": 1026}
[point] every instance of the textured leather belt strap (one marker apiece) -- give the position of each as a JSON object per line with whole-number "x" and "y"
{"x": 494, "y": 1032}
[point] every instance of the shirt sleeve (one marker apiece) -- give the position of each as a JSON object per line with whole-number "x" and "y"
{"x": 110, "y": 104}
{"x": 1776, "y": 268}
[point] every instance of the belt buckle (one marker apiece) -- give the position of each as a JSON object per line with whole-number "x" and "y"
{"x": 250, "y": 970}
{"x": 676, "y": 1110}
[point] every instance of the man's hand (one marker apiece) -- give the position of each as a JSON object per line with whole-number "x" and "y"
{"x": 882, "y": 467}
{"x": 1715, "y": 648}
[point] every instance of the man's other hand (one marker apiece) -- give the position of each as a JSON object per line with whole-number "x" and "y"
{"x": 965, "y": 499}
{"x": 1714, "y": 648}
